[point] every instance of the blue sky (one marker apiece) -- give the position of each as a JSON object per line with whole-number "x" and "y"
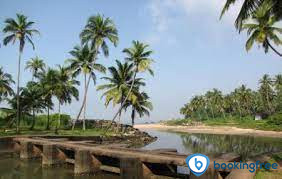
{"x": 193, "y": 50}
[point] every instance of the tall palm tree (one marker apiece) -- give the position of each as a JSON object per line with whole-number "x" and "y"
{"x": 141, "y": 59}
{"x": 267, "y": 92}
{"x": 249, "y": 7}
{"x": 84, "y": 62}
{"x": 278, "y": 89}
{"x": 19, "y": 29}
{"x": 48, "y": 82}
{"x": 97, "y": 33}
{"x": 119, "y": 83}
{"x": 263, "y": 30}
{"x": 65, "y": 89}
{"x": 141, "y": 106}
{"x": 5, "y": 84}
{"x": 35, "y": 65}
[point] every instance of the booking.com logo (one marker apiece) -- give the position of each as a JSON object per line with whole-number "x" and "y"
{"x": 199, "y": 163}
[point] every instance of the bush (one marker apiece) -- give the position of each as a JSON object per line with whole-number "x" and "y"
{"x": 275, "y": 119}
{"x": 41, "y": 120}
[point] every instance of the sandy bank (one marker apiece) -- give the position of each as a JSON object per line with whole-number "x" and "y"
{"x": 211, "y": 130}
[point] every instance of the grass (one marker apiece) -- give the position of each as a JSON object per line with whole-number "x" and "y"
{"x": 265, "y": 174}
{"x": 61, "y": 132}
{"x": 246, "y": 122}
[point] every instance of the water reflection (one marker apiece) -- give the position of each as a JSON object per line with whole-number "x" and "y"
{"x": 246, "y": 146}
{"x": 14, "y": 168}
{"x": 211, "y": 144}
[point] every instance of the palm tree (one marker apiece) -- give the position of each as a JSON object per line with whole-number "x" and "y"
{"x": 119, "y": 83}
{"x": 84, "y": 62}
{"x": 263, "y": 30}
{"x": 21, "y": 30}
{"x": 249, "y": 7}
{"x": 65, "y": 89}
{"x": 35, "y": 65}
{"x": 267, "y": 92}
{"x": 5, "y": 84}
{"x": 278, "y": 89}
{"x": 141, "y": 59}
{"x": 32, "y": 97}
{"x": 141, "y": 106}
{"x": 97, "y": 33}
{"x": 48, "y": 82}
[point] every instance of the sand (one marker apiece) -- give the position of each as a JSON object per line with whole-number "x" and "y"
{"x": 211, "y": 130}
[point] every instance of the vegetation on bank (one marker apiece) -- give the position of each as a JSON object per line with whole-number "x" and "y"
{"x": 243, "y": 107}
{"x": 273, "y": 123}
{"x": 265, "y": 173}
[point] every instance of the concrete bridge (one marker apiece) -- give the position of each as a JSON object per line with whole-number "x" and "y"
{"x": 88, "y": 158}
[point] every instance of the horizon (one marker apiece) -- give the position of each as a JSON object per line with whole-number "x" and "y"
{"x": 190, "y": 57}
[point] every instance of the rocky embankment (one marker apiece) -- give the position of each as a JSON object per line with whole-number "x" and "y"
{"x": 125, "y": 133}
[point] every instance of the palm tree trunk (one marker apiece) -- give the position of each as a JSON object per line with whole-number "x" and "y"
{"x": 278, "y": 53}
{"x": 84, "y": 112}
{"x": 59, "y": 120}
{"x": 33, "y": 120}
{"x": 48, "y": 118}
{"x": 212, "y": 111}
{"x": 83, "y": 102}
{"x": 127, "y": 96}
{"x": 85, "y": 95}
{"x": 133, "y": 117}
{"x": 18, "y": 92}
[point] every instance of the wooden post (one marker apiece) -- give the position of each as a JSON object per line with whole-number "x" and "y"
{"x": 85, "y": 163}
{"x": 52, "y": 155}
{"x": 29, "y": 151}
{"x": 131, "y": 168}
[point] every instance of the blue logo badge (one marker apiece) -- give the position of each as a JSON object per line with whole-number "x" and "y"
{"x": 198, "y": 163}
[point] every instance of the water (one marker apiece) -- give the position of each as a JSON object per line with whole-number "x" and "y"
{"x": 246, "y": 146}
{"x": 214, "y": 144}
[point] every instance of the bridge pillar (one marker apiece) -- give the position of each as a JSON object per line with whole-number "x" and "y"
{"x": 210, "y": 173}
{"x": 28, "y": 150}
{"x": 131, "y": 168}
{"x": 52, "y": 155}
{"x": 85, "y": 163}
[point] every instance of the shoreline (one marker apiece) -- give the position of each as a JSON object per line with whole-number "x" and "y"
{"x": 226, "y": 130}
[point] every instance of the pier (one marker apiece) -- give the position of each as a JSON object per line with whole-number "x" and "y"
{"x": 89, "y": 157}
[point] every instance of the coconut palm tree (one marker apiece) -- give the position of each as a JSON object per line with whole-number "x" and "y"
{"x": 249, "y": 7}
{"x": 84, "y": 62}
{"x": 65, "y": 89}
{"x": 119, "y": 83}
{"x": 48, "y": 82}
{"x": 140, "y": 57}
{"x": 278, "y": 89}
{"x": 141, "y": 106}
{"x": 263, "y": 30}
{"x": 97, "y": 33}
{"x": 5, "y": 84}
{"x": 267, "y": 92}
{"x": 35, "y": 65}
{"x": 32, "y": 97}
{"x": 19, "y": 29}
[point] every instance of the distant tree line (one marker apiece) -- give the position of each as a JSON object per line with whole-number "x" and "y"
{"x": 241, "y": 102}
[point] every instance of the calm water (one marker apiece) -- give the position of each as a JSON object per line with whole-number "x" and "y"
{"x": 13, "y": 168}
{"x": 213, "y": 144}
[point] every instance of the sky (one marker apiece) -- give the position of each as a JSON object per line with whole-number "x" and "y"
{"x": 194, "y": 51}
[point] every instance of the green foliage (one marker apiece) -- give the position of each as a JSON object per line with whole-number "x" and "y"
{"x": 178, "y": 122}
{"x": 41, "y": 120}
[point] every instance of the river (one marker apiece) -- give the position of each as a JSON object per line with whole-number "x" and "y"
{"x": 246, "y": 146}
